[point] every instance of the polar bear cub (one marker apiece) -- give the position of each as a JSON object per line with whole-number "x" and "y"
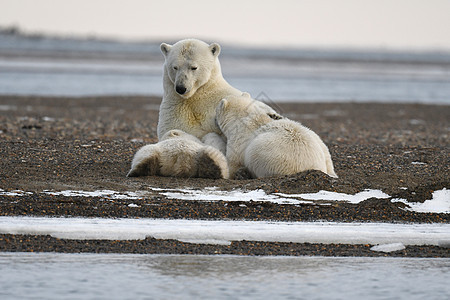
{"x": 193, "y": 87}
{"x": 179, "y": 154}
{"x": 267, "y": 144}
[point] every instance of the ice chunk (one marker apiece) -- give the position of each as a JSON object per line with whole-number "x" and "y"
{"x": 388, "y": 247}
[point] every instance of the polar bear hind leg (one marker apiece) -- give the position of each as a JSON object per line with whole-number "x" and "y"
{"x": 146, "y": 162}
{"x": 271, "y": 155}
{"x": 212, "y": 164}
{"x": 179, "y": 160}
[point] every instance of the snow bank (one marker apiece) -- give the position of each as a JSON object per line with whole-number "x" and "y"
{"x": 224, "y": 232}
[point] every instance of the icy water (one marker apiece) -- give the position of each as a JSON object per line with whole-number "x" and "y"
{"x": 40, "y": 65}
{"x": 113, "y": 276}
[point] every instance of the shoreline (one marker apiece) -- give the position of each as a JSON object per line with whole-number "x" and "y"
{"x": 87, "y": 143}
{"x": 45, "y": 243}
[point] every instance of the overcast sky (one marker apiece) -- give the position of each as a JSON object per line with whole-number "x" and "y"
{"x": 392, "y": 24}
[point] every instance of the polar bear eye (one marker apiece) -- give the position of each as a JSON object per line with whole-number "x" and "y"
{"x": 175, "y": 68}
{"x": 275, "y": 116}
{"x": 193, "y": 68}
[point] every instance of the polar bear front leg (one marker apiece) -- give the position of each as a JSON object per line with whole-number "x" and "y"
{"x": 234, "y": 166}
{"x": 243, "y": 174}
{"x": 216, "y": 141}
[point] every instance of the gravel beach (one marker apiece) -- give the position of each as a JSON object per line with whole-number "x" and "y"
{"x": 87, "y": 144}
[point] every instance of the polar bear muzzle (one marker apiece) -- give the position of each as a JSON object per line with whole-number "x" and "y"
{"x": 181, "y": 89}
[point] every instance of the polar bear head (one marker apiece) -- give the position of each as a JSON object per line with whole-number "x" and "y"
{"x": 242, "y": 113}
{"x": 179, "y": 134}
{"x": 189, "y": 64}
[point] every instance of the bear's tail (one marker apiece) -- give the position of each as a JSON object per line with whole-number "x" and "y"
{"x": 329, "y": 164}
{"x": 330, "y": 169}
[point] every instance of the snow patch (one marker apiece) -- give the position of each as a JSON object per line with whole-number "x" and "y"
{"x": 6, "y": 107}
{"x": 418, "y": 163}
{"x": 212, "y": 194}
{"x": 14, "y": 193}
{"x": 416, "y": 122}
{"x": 439, "y": 203}
{"x": 334, "y": 196}
{"x": 137, "y": 140}
{"x": 99, "y": 193}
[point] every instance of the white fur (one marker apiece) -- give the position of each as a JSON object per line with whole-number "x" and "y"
{"x": 179, "y": 154}
{"x": 194, "y": 66}
{"x": 216, "y": 141}
{"x": 266, "y": 143}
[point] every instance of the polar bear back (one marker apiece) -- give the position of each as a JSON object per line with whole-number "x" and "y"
{"x": 284, "y": 147}
{"x": 180, "y": 157}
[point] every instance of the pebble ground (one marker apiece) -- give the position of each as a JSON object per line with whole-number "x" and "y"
{"x": 87, "y": 144}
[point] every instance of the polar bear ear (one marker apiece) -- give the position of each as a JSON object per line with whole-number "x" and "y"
{"x": 223, "y": 104}
{"x": 174, "y": 133}
{"x": 215, "y": 49}
{"x": 165, "y": 48}
{"x": 245, "y": 94}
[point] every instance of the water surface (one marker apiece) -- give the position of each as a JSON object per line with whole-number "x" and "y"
{"x": 83, "y": 67}
{"x": 115, "y": 276}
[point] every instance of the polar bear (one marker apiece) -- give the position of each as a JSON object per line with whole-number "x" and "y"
{"x": 267, "y": 144}
{"x": 193, "y": 87}
{"x": 179, "y": 154}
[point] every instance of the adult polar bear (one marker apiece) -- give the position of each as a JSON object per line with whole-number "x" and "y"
{"x": 193, "y": 87}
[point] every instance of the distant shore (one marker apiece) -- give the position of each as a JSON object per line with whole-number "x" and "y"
{"x": 87, "y": 144}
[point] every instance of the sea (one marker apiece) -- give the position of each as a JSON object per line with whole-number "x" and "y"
{"x": 75, "y": 67}
{"x": 42, "y": 65}
{"x": 131, "y": 276}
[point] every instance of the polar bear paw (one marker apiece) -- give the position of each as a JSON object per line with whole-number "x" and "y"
{"x": 212, "y": 164}
{"x": 146, "y": 167}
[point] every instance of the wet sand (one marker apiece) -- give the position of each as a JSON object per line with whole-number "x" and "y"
{"x": 88, "y": 143}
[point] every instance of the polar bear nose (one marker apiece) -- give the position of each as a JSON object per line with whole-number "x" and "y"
{"x": 180, "y": 89}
